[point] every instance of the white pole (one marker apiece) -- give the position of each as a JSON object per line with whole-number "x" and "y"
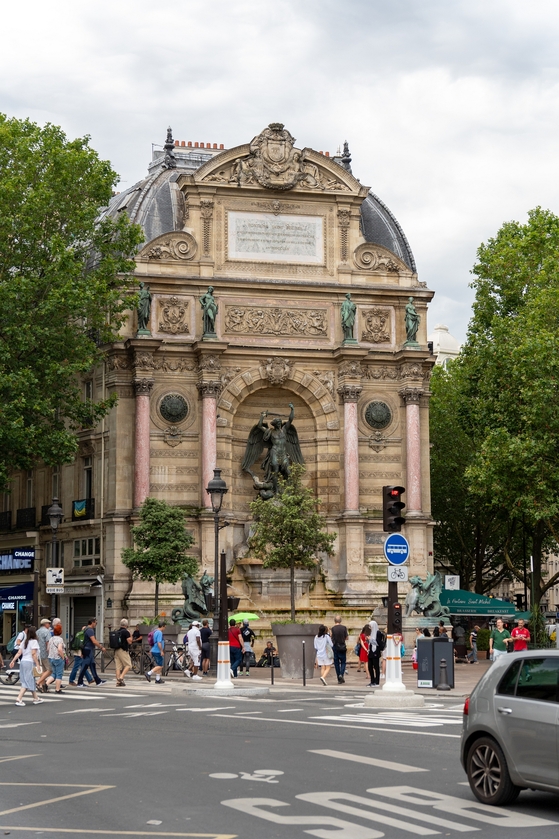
{"x": 393, "y": 682}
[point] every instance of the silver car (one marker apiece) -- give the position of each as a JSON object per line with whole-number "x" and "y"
{"x": 510, "y": 736}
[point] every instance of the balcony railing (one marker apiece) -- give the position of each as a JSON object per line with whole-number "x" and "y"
{"x": 6, "y": 520}
{"x": 45, "y": 521}
{"x": 26, "y": 517}
{"x": 83, "y": 509}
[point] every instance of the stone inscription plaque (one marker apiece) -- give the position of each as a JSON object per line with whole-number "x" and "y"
{"x": 268, "y": 238}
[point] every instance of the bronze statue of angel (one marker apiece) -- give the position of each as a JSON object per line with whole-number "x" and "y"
{"x": 282, "y": 441}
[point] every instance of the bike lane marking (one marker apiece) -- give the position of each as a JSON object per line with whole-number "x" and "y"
{"x": 339, "y": 725}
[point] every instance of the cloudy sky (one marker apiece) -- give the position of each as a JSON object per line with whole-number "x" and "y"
{"x": 450, "y": 106}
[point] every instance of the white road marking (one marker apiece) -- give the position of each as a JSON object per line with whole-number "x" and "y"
{"x": 206, "y": 710}
{"x": 136, "y": 714}
{"x": 339, "y": 725}
{"x": 85, "y": 711}
{"x": 371, "y": 761}
{"x": 16, "y": 757}
{"x": 243, "y": 713}
{"x": 292, "y": 710}
{"x": 17, "y": 724}
{"x": 344, "y": 829}
{"x": 374, "y": 719}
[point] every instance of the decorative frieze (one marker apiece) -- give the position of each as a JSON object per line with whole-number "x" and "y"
{"x": 327, "y": 378}
{"x": 209, "y": 363}
{"x": 350, "y": 368}
{"x": 260, "y": 320}
{"x": 377, "y": 326}
{"x": 383, "y": 372}
{"x": 173, "y": 314}
{"x": 118, "y": 362}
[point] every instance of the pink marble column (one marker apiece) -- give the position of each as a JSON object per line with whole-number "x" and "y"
{"x": 210, "y": 393}
{"x": 411, "y": 397}
{"x": 141, "y": 443}
{"x": 350, "y": 394}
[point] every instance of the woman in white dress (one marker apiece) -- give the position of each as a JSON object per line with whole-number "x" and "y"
{"x": 29, "y": 653}
{"x": 324, "y": 652}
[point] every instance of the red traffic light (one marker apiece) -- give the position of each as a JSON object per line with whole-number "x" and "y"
{"x": 392, "y": 507}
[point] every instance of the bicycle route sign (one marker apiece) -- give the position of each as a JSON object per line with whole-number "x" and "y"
{"x": 397, "y": 573}
{"x": 396, "y": 549}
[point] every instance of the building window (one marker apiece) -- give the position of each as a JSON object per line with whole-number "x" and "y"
{"x": 88, "y": 477}
{"x": 6, "y": 502}
{"x": 56, "y": 481}
{"x": 29, "y": 489}
{"x": 54, "y": 559}
{"x": 87, "y": 551}
{"x": 88, "y": 391}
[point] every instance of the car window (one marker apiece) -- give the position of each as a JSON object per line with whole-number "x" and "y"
{"x": 539, "y": 679}
{"x": 507, "y": 685}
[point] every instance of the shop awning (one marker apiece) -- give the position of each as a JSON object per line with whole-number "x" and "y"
{"x": 468, "y": 603}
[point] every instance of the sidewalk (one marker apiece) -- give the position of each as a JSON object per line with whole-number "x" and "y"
{"x": 466, "y": 678}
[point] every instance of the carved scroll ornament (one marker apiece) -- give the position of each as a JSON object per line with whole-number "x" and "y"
{"x": 181, "y": 248}
{"x": 367, "y": 257}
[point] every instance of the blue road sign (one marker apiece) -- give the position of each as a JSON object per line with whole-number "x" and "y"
{"x": 396, "y": 549}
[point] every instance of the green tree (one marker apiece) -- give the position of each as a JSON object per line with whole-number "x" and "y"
{"x": 510, "y": 383}
{"x": 162, "y": 542}
{"x": 471, "y": 529}
{"x": 288, "y": 529}
{"x": 63, "y": 270}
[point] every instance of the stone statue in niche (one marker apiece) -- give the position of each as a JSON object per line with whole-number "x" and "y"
{"x": 412, "y": 323}
{"x": 347, "y": 312}
{"x": 144, "y": 309}
{"x": 209, "y": 313}
{"x": 282, "y": 441}
{"x": 195, "y": 604}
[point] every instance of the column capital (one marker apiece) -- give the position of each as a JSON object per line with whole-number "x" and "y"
{"x": 209, "y": 389}
{"x": 411, "y": 395}
{"x": 142, "y": 386}
{"x": 349, "y": 392}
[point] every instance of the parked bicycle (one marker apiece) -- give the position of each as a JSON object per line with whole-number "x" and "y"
{"x": 9, "y": 676}
{"x": 179, "y": 659}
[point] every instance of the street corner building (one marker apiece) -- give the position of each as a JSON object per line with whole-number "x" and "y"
{"x": 269, "y": 275}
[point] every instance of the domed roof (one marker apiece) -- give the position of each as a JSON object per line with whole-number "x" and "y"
{"x": 158, "y": 206}
{"x": 380, "y": 227}
{"x": 443, "y": 341}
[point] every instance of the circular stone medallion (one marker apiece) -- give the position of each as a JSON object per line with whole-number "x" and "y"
{"x": 173, "y": 407}
{"x": 378, "y": 415}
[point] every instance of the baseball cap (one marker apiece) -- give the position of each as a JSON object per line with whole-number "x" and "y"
{"x": 195, "y": 623}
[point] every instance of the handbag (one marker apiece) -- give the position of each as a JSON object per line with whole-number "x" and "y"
{"x": 357, "y": 648}
{"x": 37, "y": 671}
{"x": 329, "y": 653}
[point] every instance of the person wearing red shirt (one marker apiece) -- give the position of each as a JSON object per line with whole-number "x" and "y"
{"x": 235, "y": 647}
{"x": 520, "y": 636}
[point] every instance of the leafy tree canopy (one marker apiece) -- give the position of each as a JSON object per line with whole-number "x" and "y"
{"x": 288, "y": 529}
{"x": 509, "y": 379}
{"x": 161, "y": 544}
{"x": 62, "y": 275}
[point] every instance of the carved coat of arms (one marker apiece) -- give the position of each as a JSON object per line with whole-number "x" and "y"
{"x": 275, "y": 163}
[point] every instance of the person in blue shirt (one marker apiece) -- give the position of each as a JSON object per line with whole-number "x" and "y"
{"x": 157, "y": 652}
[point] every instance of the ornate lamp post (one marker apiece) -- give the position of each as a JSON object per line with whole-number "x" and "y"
{"x": 216, "y": 489}
{"x": 55, "y": 515}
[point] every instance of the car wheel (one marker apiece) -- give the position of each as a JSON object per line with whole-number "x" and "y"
{"x": 488, "y": 773}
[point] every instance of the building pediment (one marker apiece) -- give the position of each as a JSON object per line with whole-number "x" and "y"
{"x": 271, "y": 161}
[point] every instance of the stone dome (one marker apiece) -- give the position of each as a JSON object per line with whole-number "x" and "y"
{"x": 157, "y": 204}
{"x": 445, "y": 345}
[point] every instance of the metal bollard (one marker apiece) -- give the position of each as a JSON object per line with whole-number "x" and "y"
{"x": 304, "y": 668}
{"x": 272, "y": 669}
{"x": 443, "y": 679}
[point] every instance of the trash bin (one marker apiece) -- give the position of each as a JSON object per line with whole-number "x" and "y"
{"x": 430, "y": 652}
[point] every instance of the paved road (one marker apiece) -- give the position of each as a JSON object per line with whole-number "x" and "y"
{"x": 143, "y": 761}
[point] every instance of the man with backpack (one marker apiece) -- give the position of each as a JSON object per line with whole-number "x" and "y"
{"x": 122, "y": 656}
{"x": 76, "y": 645}
{"x": 88, "y": 654}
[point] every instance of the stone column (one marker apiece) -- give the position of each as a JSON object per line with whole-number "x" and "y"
{"x": 411, "y": 397}
{"x": 141, "y": 444}
{"x": 349, "y": 394}
{"x": 209, "y": 390}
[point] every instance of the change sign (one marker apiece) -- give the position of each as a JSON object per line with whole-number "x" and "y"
{"x": 396, "y": 549}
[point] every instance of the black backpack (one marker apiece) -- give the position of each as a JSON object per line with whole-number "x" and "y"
{"x": 114, "y": 639}
{"x": 381, "y": 641}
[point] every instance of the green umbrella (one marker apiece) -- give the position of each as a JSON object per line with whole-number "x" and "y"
{"x": 245, "y": 616}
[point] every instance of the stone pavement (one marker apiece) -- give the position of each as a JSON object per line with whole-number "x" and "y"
{"x": 466, "y": 678}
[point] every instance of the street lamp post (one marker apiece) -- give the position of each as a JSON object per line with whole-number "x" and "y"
{"x": 216, "y": 489}
{"x": 55, "y": 515}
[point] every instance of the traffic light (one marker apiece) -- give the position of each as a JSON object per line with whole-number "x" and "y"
{"x": 394, "y": 621}
{"x": 392, "y": 507}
